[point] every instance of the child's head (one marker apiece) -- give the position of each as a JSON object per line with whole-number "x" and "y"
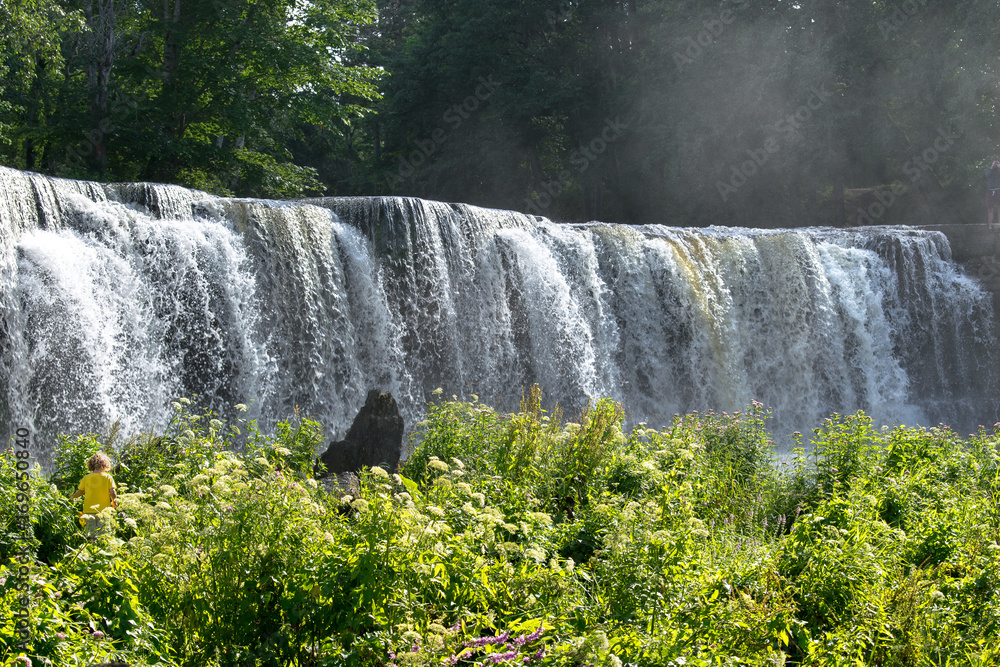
{"x": 99, "y": 462}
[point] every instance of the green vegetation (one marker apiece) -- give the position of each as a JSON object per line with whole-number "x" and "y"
{"x": 684, "y": 113}
{"x": 520, "y": 539}
{"x": 209, "y": 94}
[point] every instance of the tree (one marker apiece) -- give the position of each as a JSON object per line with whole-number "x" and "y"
{"x": 205, "y": 94}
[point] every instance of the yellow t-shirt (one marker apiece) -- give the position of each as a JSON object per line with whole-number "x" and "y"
{"x": 96, "y": 487}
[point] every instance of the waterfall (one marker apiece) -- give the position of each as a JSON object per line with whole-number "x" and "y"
{"x": 117, "y": 299}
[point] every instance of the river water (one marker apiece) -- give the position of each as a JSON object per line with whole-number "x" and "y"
{"x": 117, "y": 299}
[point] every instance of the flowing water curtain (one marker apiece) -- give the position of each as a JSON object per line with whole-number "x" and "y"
{"x": 111, "y": 313}
{"x": 332, "y": 334}
{"x": 118, "y": 298}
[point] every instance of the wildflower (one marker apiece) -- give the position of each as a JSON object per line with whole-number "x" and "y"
{"x": 98, "y": 635}
{"x": 23, "y": 659}
{"x": 361, "y": 505}
{"x": 527, "y": 639}
{"x": 437, "y": 464}
{"x": 534, "y": 554}
{"x": 60, "y": 636}
{"x": 479, "y": 498}
{"x": 501, "y": 657}
{"x": 379, "y": 472}
{"x": 483, "y": 641}
{"x": 433, "y": 510}
{"x": 282, "y": 451}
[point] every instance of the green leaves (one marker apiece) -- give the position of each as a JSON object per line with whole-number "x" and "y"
{"x": 684, "y": 546}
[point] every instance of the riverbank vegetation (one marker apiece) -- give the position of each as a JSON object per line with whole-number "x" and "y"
{"x": 530, "y": 538}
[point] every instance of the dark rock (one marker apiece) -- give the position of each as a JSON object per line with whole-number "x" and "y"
{"x": 374, "y": 439}
{"x": 344, "y": 484}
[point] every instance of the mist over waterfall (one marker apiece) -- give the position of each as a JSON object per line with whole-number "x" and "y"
{"x": 117, "y": 299}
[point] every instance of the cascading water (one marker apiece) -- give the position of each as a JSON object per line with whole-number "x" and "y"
{"x": 117, "y": 299}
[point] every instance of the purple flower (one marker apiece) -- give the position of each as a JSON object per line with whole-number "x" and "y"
{"x": 60, "y": 635}
{"x": 501, "y": 657}
{"x": 456, "y": 657}
{"x": 525, "y": 639}
{"x": 98, "y": 634}
{"x": 25, "y": 659}
{"x": 483, "y": 641}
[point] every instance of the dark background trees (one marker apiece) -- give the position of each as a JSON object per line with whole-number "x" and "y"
{"x": 697, "y": 112}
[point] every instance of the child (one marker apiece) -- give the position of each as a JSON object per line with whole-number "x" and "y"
{"x": 98, "y": 491}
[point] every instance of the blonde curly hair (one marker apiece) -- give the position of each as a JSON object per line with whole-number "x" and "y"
{"x": 99, "y": 462}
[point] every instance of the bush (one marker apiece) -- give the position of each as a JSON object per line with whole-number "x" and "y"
{"x": 521, "y": 539}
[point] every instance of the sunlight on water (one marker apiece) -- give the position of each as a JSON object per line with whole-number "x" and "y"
{"x": 117, "y": 299}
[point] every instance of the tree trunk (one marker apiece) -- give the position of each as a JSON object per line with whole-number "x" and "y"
{"x": 171, "y": 39}
{"x": 102, "y": 21}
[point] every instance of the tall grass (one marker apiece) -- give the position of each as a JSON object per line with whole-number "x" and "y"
{"x": 523, "y": 538}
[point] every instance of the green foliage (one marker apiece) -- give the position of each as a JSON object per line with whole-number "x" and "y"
{"x": 520, "y": 538}
{"x": 204, "y": 94}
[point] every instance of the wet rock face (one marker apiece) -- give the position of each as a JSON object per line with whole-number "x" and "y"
{"x": 374, "y": 439}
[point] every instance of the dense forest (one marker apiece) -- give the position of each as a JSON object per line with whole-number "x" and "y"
{"x": 772, "y": 113}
